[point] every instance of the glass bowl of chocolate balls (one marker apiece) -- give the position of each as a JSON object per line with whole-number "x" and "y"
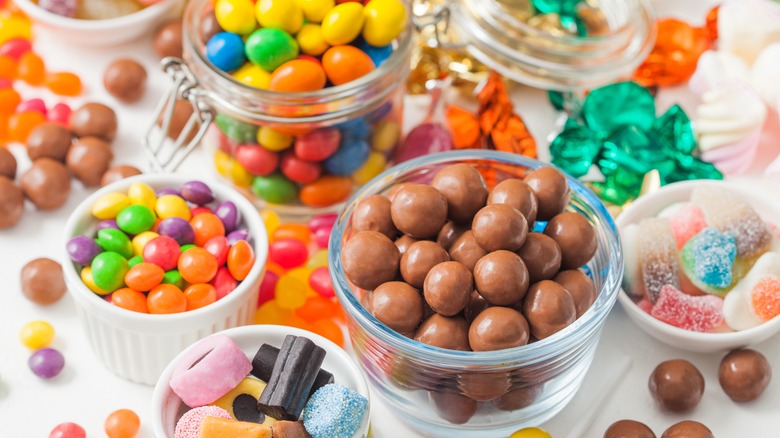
{"x": 476, "y": 284}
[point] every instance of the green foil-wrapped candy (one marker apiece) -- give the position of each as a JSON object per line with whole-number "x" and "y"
{"x": 612, "y": 106}
{"x": 575, "y": 149}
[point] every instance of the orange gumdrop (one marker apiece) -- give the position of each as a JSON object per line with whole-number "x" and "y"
{"x": 327, "y": 328}
{"x": 129, "y": 299}
{"x": 327, "y": 190}
{"x": 200, "y": 295}
{"x": 8, "y": 67}
{"x": 675, "y": 55}
{"x": 766, "y": 298}
{"x": 32, "y": 69}
{"x": 166, "y": 298}
{"x": 20, "y": 125}
{"x": 9, "y": 100}
{"x": 316, "y": 308}
{"x": 64, "y": 84}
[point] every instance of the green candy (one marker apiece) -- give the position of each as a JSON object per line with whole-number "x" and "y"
{"x": 634, "y": 148}
{"x": 108, "y": 270}
{"x": 274, "y": 188}
{"x": 237, "y": 130}
{"x": 186, "y": 247}
{"x": 135, "y": 260}
{"x": 174, "y": 277}
{"x": 561, "y": 7}
{"x": 615, "y": 105}
{"x": 556, "y": 99}
{"x": 575, "y": 149}
{"x": 269, "y": 48}
{"x": 111, "y": 239}
{"x": 135, "y": 219}
{"x": 673, "y": 130}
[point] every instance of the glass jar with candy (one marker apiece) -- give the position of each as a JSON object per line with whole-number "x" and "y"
{"x": 303, "y": 98}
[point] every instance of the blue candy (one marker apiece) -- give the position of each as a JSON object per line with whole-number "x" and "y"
{"x": 226, "y": 51}
{"x": 352, "y": 154}
{"x": 709, "y": 256}
{"x": 358, "y": 128}
{"x": 378, "y": 54}
{"x": 334, "y": 411}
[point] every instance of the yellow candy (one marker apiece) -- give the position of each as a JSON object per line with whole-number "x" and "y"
{"x": 14, "y": 27}
{"x": 172, "y": 206}
{"x": 36, "y": 334}
{"x": 253, "y": 76}
{"x": 273, "y": 140}
{"x": 140, "y": 241}
{"x": 310, "y": 40}
{"x": 223, "y": 163}
{"x": 86, "y": 277}
{"x": 270, "y": 313}
{"x": 303, "y": 274}
{"x": 240, "y": 176}
{"x": 385, "y": 20}
{"x": 314, "y": 10}
{"x": 249, "y": 385}
{"x": 236, "y": 16}
{"x": 290, "y": 292}
{"x": 109, "y": 205}
{"x": 385, "y": 136}
{"x": 271, "y": 220}
{"x": 279, "y": 14}
{"x": 318, "y": 259}
{"x": 343, "y": 23}
{"x": 141, "y": 194}
{"x": 530, "y": 432}
{"x": 373, "y": 166}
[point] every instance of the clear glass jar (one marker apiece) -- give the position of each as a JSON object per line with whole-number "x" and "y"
{"x": 430, "y": 388}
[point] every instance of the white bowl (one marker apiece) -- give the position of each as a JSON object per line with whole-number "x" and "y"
{"x": 138, "y": 346}
{"x": 649, "y": 206}
{"x": 167, "y": 407}
{"x": 102, "y": 33}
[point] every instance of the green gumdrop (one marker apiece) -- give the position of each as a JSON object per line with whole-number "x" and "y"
{"x": 108, "y": 270}
{"x": 673, "y": 130}
{"x": 135, "y": 260}
{"x": 174, "y": 277}
{"x": 615, "y": 105}
{"x": 135, "y": 219}
{"x": 274, "y": 188}
{"x": 111, "y": 239}
{"x": 269, "y": 48}
{"x": 575, "y": 149}
{"x": 237, "y": 130}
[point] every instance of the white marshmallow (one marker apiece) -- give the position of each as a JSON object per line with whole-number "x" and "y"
{"x": 727, "y": 115}
{"x": 765, "y": 76}
{"x": 716, "y": 69}
{"x": 746, "y": 27}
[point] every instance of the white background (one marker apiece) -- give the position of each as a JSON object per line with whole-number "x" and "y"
{"x": 86, "y": 392}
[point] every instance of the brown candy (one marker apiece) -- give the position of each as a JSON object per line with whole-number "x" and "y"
{"x": 465, "y": 190}
{"x": 404, "y": 242}
{"x": 94, "y": 120}
{"x": 46, "y": 183}
{"x": 484, "y": 387}
{"x": 88, "y": 159}
{"x": 549, "y": 308}
{"x": 419, "y": 259}
{"x": 518, "y": 194}
{"x": 11, "y": 203}
{"x": 518, "y": 398}
{"x": 370, "y": 259}
{"x": 551, "y": 191}
{"x": 744, "y": 375}
{"x": 373, "y": 214}
{"x": 628, "y": 429}
{"x": 497, "y": 328}
{"x": 7, "y": 163}
{"x": 118, "y": 173}
{"x": 49, "y": 140}
{"x": 168, "y": 40}
{"x": 42, "y": 281}
{"x": 182, "y": 111}
{"x": 419, "y": 210}
{"x": 501, "y": 278}
{"x": 448, "y": 287}
{"x": 580, "y": 287}
{"x": 576, "y": 237}
{"x": 688, "y": 429}
{"x": 475, "y": 306}
{"x": 449, "y": 234}
{"x": 209, "y": 26}
{"x": 466, "y": 250}
{"x": 499, "y": 226}
{"x": 289, "y": 429}
{"x": 455, "y": 408}
{"x": 677, "y": 385}
{"x": 398, "y": 305}
{"x": 542, "y": 257}
{"x": 125, "y": 79}
{"x": 447, "y": 332}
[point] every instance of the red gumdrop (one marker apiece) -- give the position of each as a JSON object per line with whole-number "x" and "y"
{"x": 698, "y": 314}
{"x": 319, "y": 280}
{"x": 68, "y": 430}
{"x": 15, "y": 48}
{"x": 218, "y": 247}
{"x": 299, "y": 170}
{"x": 322, "y": 237}
{"x": 322, "y": 221}
{"x": 163, "y": 251}
{"x": 318, "y": 145}
{"x": 288, "y": 253}
{"x": 257, "y": 160}
{"x": 267, "y": 287}
{"x": 223, "y": 282}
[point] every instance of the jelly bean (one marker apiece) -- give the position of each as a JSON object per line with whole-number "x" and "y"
{"x": 166, "y": 298}
{"x": 297, "y": 76}
{"x": 140, "y": 241}
{"x": 172, "y": 206}
{"x": 178, "y": 229}
{"x": 279, "y": 14}
{"x": 115, "y": 240}
{"x": 89, "y": 281}
{"x": 9, "y": 100}
{"x": 350, "y": 157}
{"x": 122, "y": 423}
{"x": 82, "y": 249}
{"x": 378, "y": 54}
{"x": 273, "y": 140}
{"x": 318, "y": 259}
{"x": 135, "y": 260}
{"x": 385, "y": 136}
{"x": 60, "y": 113}
{"x": 384, "y": 21}
{"x": 144, "y": 277}
{"x": 344, "y": 64}
{"x": 232, "y": 169}
{"x": 36, "y": 334}
{"x": 142, "y": 194}
{"x": 68, "y": 430}
{"x": 206, "y": 226}
{"x": 21, "y": 124}
{"x": 31, "y": 69}
{"x": 322, "y": 237}
{"x": 130, "y": 299}
{"x": 163, "y": 251}
{"x": 310, "y": 40}
{"x": 271, "y": 313}
{"x": 288, "y": 253}
{"x": 218, "y": 247}
{"x": 373, "y": 166}
{"x": 342, "y": 24}
{"x": 200, "y": 295}
{"x": 135, "y": 219}
{"x": 269, "y": 48}
{"x": 237, "y": 130}
{"x": 315, "y": 308}
{"x": 319, "y": 280}
{"x": 253, "y": 76}
{"x": 290, "y": 292}
{"x": 298, "y": 170}
{"x": 322, "y": 221}
{"x": 196, "y": 265}
{"x": 108, "y": 270}
{"x": 237, "y": 235}
{"x": 46, "y": 363}
{"x": 236, "y": 16}
{"x": 15, "y": 27}
{"x": 315, "y": 10}
{"x": 8, "y": 68}
{"x": 297, "y": 232}
{"x": 267, "y": 287}
{"x": 109, "y": 205}
{"x": 15, "y": 48}
{"x": 297, "y": 322}
{"x": 328, "y": 329}
{"x": 196, "y": 192}
{"x": 226, "y": 51}
{"x": 271, "y": 220}
{"x": 32, "y": 105}
{"x": 328, "y": 190}
{"x": 274, "y": 188}
{"x": 223, "y": 282}
{"x": 270, "y": 266}
{"x": 240, "y": 260}
{"x": 317, "y": 145}
{"x": 64, "y": 84}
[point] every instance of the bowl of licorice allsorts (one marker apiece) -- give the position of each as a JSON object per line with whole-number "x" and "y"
{"x": 702, "y": 265}
{"x": 262, "y": 381}
{"x": 155, "y": 262}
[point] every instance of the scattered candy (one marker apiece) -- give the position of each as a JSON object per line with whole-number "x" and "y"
{"x": 125, "y": 79}
{"x": 42, "y": 279}
{"x": 68, "y": 430}
{"x": 36, "y": 334}
{"x": 122, "y": 423}
{"x": 676, "y": 385}
{"x": 46, "y": 363}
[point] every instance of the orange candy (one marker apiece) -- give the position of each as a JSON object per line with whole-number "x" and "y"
{"x": 297, "y": 322}
{"x": 240, "y": 259}
{"x": 130, "y": 299}
{"x": 32, "y": 69}
{"x": 327, "y": 328}
{"x": 675, "y": 55}
{"x": 328, "y": 190}
{"x": 122, "y": 423}
{"x": 9, "y": 100}
{"x": 166, "y": 298}
{"x": 315, "y": 308}
{"x": 299, "y": 232}
{"x": 766, "y": 298}
{"x": 712, "y": 23}
{"x": 206, "y": 226}
{"x": 8, "y": 67}
{"x": 275, "y": 268}
{"x": 64, "y": 84}
{"x": 200, "y": 295}
{"x": 196, "y": 265}
{"x": 344, "y": 64}
{"x": 298, "y": 75}
{"x": 144, "y": 277}
{"x": 21, "y": 124}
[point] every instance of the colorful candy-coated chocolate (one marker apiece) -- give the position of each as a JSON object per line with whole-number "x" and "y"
{"x": 178, "y": 229}
{"x": 32, "y": 69}
{"x": 89, "y": 281}
{"x": 218, "y": 247}
{"x": 223, "y": 282}
{"x": 172, "y": 206}
{"x": 46, "y": 363}
{"x": 311, "y": 41}
{"x": 226, "y": 51}
{"x": 196, "y": 192}
{"x": 60, "y": 113}
{"x": 317, "y": 145}
{"x": 111, "y": 239}
{"x": 36, "y": 334}
{"x": 15, "y": 48}
{"x": 82, "y": 250}
{"x": 314, "y": 11}
{"x": 107, "y": 223}
{"x": 206, "y": 226}
{"x": 274, "y": 188}
{"x": 253, "y": 76}
{"x": 64, "y": 84}
{"x": 200, "y": 295}
{"x": 68, "y": 430}
{"x": 343, "y": 23}
{"x": 350, "y": 157}
{"x": 144, "y": 277}
{"x": 267, "y": 287}
{"x": 328, "y": 190}
{"x": 122, "y": 423}
{"x": 236, "y": 130}
{"x": 240, "y": 260}
{"x": 236, "y": 16}
{"x": 173, "y": 277}
{"x": 136, "y": 219}
{"x": 140, "y": 241}
{"x": 378, "y": 54}
{"x": 273, "y": 140}
{"x": 344, "y": 64}
{"x": 237, "y": 235}
{"x": 130, "y": 299}
{"x": 109, "y": 270}
{"x": 279, "y": 14}
{"x": 257, "y": 160}
{"x": 135, "y": 260}
{"x": 373, "y": 166}
{"x": 298, "y": 170}
{"x": 166, "y": 298}
{"x": 196, "y": 265}
{"x": 384, "y": 21}
{"x": 269, "y": 48}
{"x": 297, "y": 76}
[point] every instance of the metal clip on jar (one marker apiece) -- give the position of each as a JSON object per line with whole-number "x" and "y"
{"x": 365, "y": 114}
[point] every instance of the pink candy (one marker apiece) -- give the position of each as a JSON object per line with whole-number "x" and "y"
{"x": 188, "y": 425}
{"x": 15, "y": 48}
{"x": 686, "y": 223}
{"x": 699, "y": 314}
{"x": 267, "y": 287}
{"x": 60, "y": 113}
{"x": 288, "y": 253}
{"x": 319, "y": 280}
{"x": 37, "y": 105}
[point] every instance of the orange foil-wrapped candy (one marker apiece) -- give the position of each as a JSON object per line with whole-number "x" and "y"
{"x": 676, "y": 52}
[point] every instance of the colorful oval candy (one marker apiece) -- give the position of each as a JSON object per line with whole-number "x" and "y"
{"x": 236, "y": 16}
{"x": 343, "y": 23}
{"x": 257, "y": 160}
{"x": 317, "y": 145}
{"x": 344, "y": 64}
{"x": 288, "y": 253}
{"x": 223, "y": 282}
{"x": 135, "y": 219}
{"x": 352, "y": 154}
{"x": 144, "y": 277}
{"x": 315, "y": 10}
{"x": 279, "y": 14}
{"x": 218, "y": 247}
{"x": 109, "y": 205}
{"x": 269, "y": 48}
{"x": 273, "y": 140}
{"x": 298, "y": 76}
{"x": 166, "y": 298}
{"x": 226, "y": 51}
{"x": 240, "y": 260}
{"x": 142, "y": 194}
{"x": 172, "y": 206}
{"x": 328, "y": 190}
{"x": 384, "y": 21}
{"x": 89, "y": 281}
{"x": 111, "y": 239}
{"x": 163, "y": 251}
{"x": 206, "y": 226}
{"x": 140, "y": 241}
{"x": 311, "y": 41}
{"x": 108, "y": 271}
{"x": 130, "y": 299}
{"x": 196, "y": 265}
{"x": 253, "y": 76}
{"x": 298, "y": 170}
{"x": 274, "y": 188}
{"x": 200, "y": 295}
{"x": 373, "y": 166}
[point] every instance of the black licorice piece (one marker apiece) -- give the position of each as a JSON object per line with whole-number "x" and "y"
{"x": 245, "y": 409}
{"x": 292, "y": 378}
{"x": 263, "y": 365}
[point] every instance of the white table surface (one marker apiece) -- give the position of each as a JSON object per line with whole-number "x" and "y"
{"x": 86, "y": 392}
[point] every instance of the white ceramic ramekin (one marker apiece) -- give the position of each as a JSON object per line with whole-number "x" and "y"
{"x": 167, "y": 407}
{"x": 138, "y": 346}
{"x": 649, "y": 206}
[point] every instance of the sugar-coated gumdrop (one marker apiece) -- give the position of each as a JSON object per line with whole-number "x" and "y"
{"x": 686, "y": 223}
{"x": 699, "y": 314}
{"x": 738, "y": 306}
{"x": 766, "y": 298}
{"x": 657, "y": 256}
{"x": 708, "y": 258}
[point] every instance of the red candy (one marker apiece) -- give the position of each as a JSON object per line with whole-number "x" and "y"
{"x": 267, "y": 286}
{"x": 322, "y": 221}
{"x": 223, "y": 282}
{"x": 699, "y": 314}
{"x": 196, "y": 265}
{"x": 240, "y": 260}
{"x": 298, "y": 170}
{"x": 318, "y": 145}
{"x": 288, "y": 253}
{"x": 218, "y": 247}
{"x": 321, "y": 283}
{"x": 15, "y": 48}
{"x": 257, "y": 160}
{"x": 60, "y": 113}
{"x": 163, "y": 251}
{"x": 200, "y": 210}
{"x": 68, "y": 430}
{"x": 322, "y": 237}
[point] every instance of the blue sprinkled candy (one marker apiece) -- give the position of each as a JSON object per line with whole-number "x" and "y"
{"x": 709, "y": 257}
{"x": 334, "y": 411}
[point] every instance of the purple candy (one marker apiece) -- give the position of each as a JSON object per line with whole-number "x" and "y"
{"x": 46, "y": 363}
{"x": 237, "y": 235}
{"x": 82, "y": 250}
{"x": 229, "y": 214}
{"x": 322, "y": 221}
{"x": 196, "y": 192}
{"x": 108, "y": 223}
{"x": 177, "y": 229}
{"x": 168, "y": 192}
